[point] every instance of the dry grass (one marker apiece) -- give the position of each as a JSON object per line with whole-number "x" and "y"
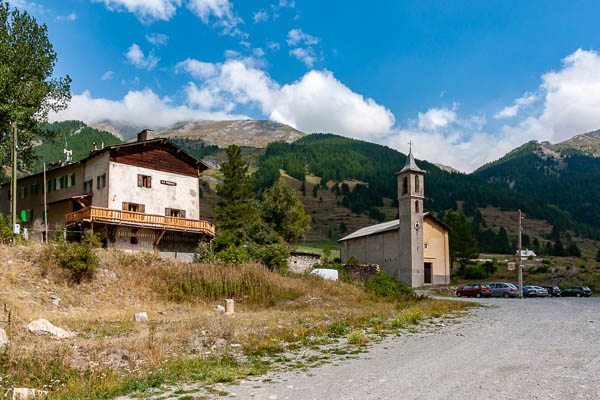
{"x": 185, "y": 338}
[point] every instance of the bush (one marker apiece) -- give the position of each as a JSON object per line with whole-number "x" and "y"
{"x": 77, "y": 258}
{"x": 6, "y": 234}
{"x": 547, "y": 262}
{"x": 357, "y": 337}
{"x": 273, "y": 256}
{"x": 542, "y": 269}
{"x": 474, "y": 272}
{"x": 387, "y": 288}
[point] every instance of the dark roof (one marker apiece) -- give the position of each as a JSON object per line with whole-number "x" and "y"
{"x": 410, "y": 165}
{"x": 387, "y": 226}
{"x": 304, "y": 253}
{"x": 160, "y": 141}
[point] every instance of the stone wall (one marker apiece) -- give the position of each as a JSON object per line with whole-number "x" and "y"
{"x": 302, "y": 262}
{"x": 361, "y": 272}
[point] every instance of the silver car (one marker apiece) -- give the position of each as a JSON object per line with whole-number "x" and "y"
{"x": 503, "y": 289}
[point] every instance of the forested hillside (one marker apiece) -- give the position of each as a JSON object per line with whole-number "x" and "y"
{"x": 335, "y": 158}
{"x": 567, "y": 178}
{"x": 75, "y": 136}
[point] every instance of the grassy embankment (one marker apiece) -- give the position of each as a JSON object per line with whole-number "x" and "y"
{"x": 319, "y": 247}
{"x": 185, "y": 340}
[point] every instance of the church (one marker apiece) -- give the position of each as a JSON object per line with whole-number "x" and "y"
{"x": 414, "y": 248}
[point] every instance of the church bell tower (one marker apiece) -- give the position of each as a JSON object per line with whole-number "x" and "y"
{"x": 410, "y": 203}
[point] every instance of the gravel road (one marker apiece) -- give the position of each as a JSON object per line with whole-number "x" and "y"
{"x": 517, "y": 349}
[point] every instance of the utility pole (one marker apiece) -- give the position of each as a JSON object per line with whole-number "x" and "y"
{"x": 14, "y": 176}
{"x": 519, "y": 255}
{"x": 45, "y": 206}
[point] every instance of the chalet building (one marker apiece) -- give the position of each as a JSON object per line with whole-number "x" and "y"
{"x": 142, "y": 195}
{"x": 413, "y": 248}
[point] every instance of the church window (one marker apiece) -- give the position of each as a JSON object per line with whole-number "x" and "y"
{"x": 417, "y": 184}
{"x": 405, "y": 185}
{"x": 417, "y": 206}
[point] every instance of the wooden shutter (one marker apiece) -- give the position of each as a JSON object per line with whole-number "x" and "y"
{"x": 140, "y": 180}
{"x": 149, "y": 182}
{"x": 73, "y": 179}
{"x": 168, "y": 212}
{"x": 182, "y": 213}
{"x": 142, "y": 208}
{"x": 125, "y": 206}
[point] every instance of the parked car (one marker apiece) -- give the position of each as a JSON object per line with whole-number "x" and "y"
{"x": 577, "y": 291}
{"x": 529, "y": 291}
{"x": 475, "y": 289}
{"x": 540, "y": 291}
{"x": 503, "y": 289}
{"x": 553, "y": 291}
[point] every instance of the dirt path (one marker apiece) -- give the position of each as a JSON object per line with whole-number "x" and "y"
{"x": 518, "y": 349}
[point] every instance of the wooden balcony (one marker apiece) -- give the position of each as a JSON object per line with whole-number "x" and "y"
{"x": 140, "y": 220}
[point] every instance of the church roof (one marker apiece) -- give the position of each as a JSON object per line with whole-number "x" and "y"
{"x": 385, "y": 227}
{"x": 410, "y": 165}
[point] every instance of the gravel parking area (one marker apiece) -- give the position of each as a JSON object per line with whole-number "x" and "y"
{"x": 515, "y": 349}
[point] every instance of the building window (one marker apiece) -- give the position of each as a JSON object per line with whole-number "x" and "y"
{"x": 425, "y": 245}
{"x": 417, "y": 206}
{"x": 73, "y": 179}
{"x": 101, "y": 181}
{"x": 417, "y": 185}
{"x": 87, "y": 186}
{"x": 144, "y": 181}
{"x": 133, "y": 240}
{"x": 134, "y": 207}
{"x": 405, "y": 185}
{"x": 173, "y": 212}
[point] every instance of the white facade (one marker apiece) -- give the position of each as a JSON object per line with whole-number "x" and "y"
{"x": 168, "y": 190}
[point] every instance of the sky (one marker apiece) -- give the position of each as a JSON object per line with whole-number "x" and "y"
{"x": 465, "y": 81}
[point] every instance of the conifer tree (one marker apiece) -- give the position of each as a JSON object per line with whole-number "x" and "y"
{"x": 462, "y": 243}
{"x": 28, "y": 90}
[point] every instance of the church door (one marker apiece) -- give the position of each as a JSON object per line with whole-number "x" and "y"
{"x": 428, "y": 268}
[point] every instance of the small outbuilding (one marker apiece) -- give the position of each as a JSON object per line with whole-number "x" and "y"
{"x": 302, "y": 261}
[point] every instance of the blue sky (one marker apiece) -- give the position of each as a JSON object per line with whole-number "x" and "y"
{"x": 466, "y": 81}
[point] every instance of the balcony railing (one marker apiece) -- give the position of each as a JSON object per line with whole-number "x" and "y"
{"x": 107, "y": 215}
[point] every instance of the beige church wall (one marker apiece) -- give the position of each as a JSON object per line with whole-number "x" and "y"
{"x": 437, "y": 251}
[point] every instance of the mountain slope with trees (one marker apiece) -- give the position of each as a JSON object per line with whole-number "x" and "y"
{"x": 566, "y": 175}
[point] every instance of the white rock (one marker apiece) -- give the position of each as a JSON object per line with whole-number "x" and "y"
{"x": 219, "y": 308}
{"x": 325, "y": 273}
{"x": 56, "y": 302}
{"x": 24, "y": 393}
{"x": 43, "y": 327}
{"x": 140, "y": 317}
{"x": 3, "y": 340}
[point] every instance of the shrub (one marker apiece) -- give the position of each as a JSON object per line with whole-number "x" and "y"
{"x": 77, "y": 258}
{"x": 474, "y": 272}
{"x": 542, "y": 269}
{"x": 387, "y": 288}
{"x": 357, "y": 337}
{"x": 6, "y": 234}
{"x": 411, "y": 317}
{"x": 547, "y": 262}
{"x": 273, "y": 256}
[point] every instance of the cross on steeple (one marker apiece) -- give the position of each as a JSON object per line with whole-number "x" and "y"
{"x": 410, "y": 143}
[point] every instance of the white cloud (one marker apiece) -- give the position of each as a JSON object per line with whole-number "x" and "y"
{"x": 69, "y": 17}
{"x": 147, "y": 11}
{"x": 198, "y": 69}
{"x": 511, "y": 111}
{"x": 273, "y": 45}
{"x": 297, "y": 36}
{"x": 317, "y": 102}
{"x": 136, "y": 57}
{"x": 157, "y": 39}
{"x": 260, "y": 16}
{"x": 436, "y": 118}
{"x": 29, "y": 6}
{"x": 108, "y": 75}
{"x": 140, "y": 108}
{"x": 306, "y": 55}
{"x": 222, "y": 11}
